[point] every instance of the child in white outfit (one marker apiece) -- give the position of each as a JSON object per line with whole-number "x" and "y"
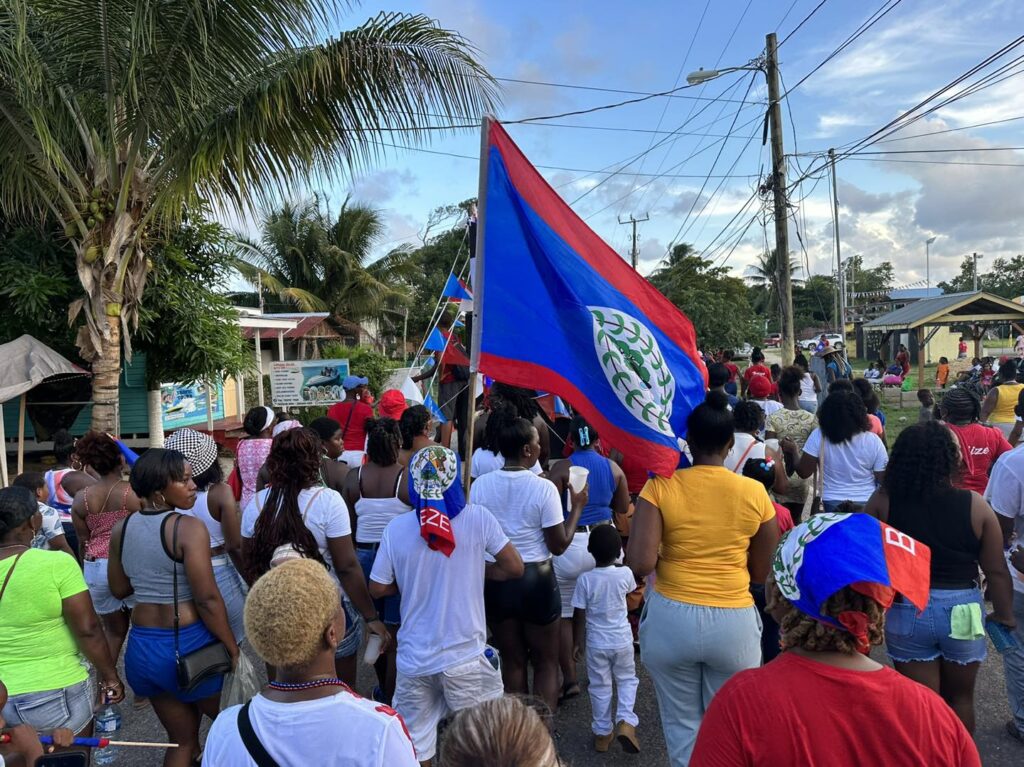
{"x": 601, "y": 592}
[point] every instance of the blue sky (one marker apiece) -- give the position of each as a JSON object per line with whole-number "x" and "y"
{"x": 888, "y": 209}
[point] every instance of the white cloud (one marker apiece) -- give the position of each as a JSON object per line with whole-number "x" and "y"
{"x": 382, "y": 186}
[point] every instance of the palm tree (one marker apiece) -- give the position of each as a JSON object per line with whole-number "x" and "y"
{"x": 319, "y": 262}
{"x": 115, "y": 115}
{"x": 764, "y": 274}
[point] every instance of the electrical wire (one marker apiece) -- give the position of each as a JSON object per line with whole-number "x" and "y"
{"x": 803, "y": 21}
{"x": 668, "y": 94}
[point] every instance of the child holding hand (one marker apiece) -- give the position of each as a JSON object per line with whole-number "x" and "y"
{"x": 601, "y": 595}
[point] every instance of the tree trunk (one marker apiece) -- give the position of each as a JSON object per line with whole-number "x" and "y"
{"x": 156, "y": 421}
{"x": 106, "y": 379}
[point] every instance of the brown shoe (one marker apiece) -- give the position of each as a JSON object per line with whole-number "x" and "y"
{"x": 602, "y": 742}
{"x": 626, "y": 733}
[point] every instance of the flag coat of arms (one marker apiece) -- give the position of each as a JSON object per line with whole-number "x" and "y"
{"x": 559, "y": 310}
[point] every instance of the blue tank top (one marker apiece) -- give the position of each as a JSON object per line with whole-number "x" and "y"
{"x": 602, "y": 486}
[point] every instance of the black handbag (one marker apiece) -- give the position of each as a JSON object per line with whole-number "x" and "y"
{"x": 199, "y": 665}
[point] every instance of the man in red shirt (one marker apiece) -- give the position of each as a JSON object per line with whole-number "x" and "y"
{"x": 757, "y": 369}
{"x": 352, "y": 414}
{"x": 823, "y": 701}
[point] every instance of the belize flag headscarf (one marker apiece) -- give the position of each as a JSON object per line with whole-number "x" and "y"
{"x": 829, "y": 552}
{"x": 436, "y": 495}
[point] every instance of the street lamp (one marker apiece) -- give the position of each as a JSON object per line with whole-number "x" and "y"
{"x": 928, "y": 264}
{"x": 704, "y": 75}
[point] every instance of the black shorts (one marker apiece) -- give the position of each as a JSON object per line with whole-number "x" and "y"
{"x": 533, "y": 598}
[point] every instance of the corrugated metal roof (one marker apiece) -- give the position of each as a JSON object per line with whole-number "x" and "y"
{"x": 906, "y": 294}
{"x": 919, "y": 312}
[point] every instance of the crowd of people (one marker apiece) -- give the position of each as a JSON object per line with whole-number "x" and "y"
{"x": 755, "y": 578}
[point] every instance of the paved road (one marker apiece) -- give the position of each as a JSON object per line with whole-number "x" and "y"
{"x": 575, "y": 744}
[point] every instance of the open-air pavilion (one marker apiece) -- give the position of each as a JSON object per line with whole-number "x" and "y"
{"x": 974, "y": 312}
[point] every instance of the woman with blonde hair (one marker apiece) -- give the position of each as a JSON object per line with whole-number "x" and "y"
{"x": 295, "y": 622}
{"x": 504, "y": 732}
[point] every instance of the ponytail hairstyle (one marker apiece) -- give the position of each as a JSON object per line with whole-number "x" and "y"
{"x": 412, "y": 423}
{"x": 761, "y": 469}
{"x": 709, "y": 427}
{"x": 294, "y": 465}
{"x": 513, "y": 433}
{"x": 384, "y": 440}
{"x": 583, "y": 434}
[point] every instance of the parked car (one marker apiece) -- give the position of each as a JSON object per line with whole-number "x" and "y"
{"x": 835, "y": 341}
{"x": 742, "y": 352}
{"x": 773, "y": 340}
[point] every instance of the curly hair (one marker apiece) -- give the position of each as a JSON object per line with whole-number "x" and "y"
{"x": 503, "y": 732}
{"x": 384, "y": 440}
{"x": 960, "y": 406}
{"x": 293, "y": 465}
{"x": 521, "y": 399}
{"x": 789, "y": 381}
{"x": 287, "y": 611}
{"x": 842, "y": 416}
{"x": 797, "y": 629}
{"x": 99, "y": 451}
{"x": 412, "y": 423}
{"x": 924, "y": 461}
{"x": 747, "y": 416}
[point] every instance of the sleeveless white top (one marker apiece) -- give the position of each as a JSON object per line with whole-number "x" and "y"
{"x": 201, "y": 511}
{"x": 373, "y": 514}
{"x": 807, "y": 388}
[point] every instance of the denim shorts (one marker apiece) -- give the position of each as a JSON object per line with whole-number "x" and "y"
{"x": 389, "y": 608}
{"x": 95, "y": 571}
{"x": 349, "y": 645}
{"x": 68, "y": 707}
{"x": 150, "y": 666}
{"x": 911, "y": 637}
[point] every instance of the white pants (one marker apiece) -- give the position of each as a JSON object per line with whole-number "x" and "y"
{"x": 423, "y": 701}
{"x": 569, "y": 566}
{"x": 602, "y": 667}
{"x": 354, "y": 458}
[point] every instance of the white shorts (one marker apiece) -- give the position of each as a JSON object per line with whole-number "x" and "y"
{"x": 569, "y": 566}
{"x": 354, "y": 458}
{"x": 423, "y": 701}
{"x": 99, "y": 588}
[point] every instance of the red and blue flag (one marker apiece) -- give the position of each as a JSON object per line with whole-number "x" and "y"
{"x": 559, "y": 310}
{"x": 456, "y": 290}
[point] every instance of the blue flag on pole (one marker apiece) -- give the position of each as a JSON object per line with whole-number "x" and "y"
{"x": 429, "y": 404}
{"x": 456, "y": 290}
{"x": 435, "y": 341}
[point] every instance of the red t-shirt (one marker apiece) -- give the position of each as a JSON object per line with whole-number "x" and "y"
{"x": 355, "y": 432}
{"x": 757, "y": 370}
{"x": 733, "y": 371}
{"x": 636, "y": 473}
{"x": 980, "y": 446}
{"x": 784, "y": 518}
{"x": 797, "y": 711}
{"x": 904, "y": 359}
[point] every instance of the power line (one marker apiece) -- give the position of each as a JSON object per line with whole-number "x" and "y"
{"x": 940, "y": 162}
{"x": 803, "y": 21}
{"x": 667, "y": 94}
{"x": 951, "y": 130}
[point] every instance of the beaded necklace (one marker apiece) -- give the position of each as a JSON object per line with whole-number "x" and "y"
{"x": 311, "y": 685}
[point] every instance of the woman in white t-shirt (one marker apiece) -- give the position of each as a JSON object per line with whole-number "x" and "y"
{"x": 749, "y": 420}
{"x": 852, "y": 458}
{"x": 487, "y": 457}
{"x": 376, "y": 493}
{"x": 306, "y": 715}
{"x": 523, "y": 612}
{"x": 296, "y": 516}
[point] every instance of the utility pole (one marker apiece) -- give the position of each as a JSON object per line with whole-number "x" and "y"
{"x": 841, "y": 303}
{"x": 634, "y": 253}
{"x": 781, "y": 208}
{"x": 975, "y": 257}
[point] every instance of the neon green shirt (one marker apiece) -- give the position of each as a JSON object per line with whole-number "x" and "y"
{"x": 37, "y": 649}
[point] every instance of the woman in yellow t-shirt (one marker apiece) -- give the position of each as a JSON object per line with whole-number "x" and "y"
{"x": 997, "y": 409}
{"x": 44, "y": 603}
{"x": 707, "y": 533}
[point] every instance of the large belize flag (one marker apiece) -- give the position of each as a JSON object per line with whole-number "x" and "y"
{"x": 559, "y": 310}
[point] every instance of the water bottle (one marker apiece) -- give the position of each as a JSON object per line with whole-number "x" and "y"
{"x": 108, "y": 725}
{"x": 492, "y": 657}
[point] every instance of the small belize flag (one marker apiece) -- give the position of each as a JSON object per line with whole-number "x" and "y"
{"x": 456, "y": 290}
{"x": 559, "y": 310}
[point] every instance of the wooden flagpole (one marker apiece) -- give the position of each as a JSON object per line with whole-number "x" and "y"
{"x": 477, "y": 284}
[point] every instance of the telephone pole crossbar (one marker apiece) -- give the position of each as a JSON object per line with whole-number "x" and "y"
{"x": 634, "y": 253}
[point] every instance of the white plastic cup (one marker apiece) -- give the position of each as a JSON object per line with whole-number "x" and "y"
{"x": 578, "y": 478}
{"x": 373, "y": 645}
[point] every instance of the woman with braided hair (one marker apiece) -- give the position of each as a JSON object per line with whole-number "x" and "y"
{"x": 980, "y": 445}
{"x": 824, "y": 700}
{"x": 523, "y": 402}
{"x": 296, "y": 516}
{"x": 943, "y": 647}
{"x": 376, "y": 493}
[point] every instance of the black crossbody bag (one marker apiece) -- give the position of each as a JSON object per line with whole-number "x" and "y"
{"x": 202, "y": 664}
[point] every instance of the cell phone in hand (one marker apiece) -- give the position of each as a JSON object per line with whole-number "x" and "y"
{"x": 1002, "y": 638}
